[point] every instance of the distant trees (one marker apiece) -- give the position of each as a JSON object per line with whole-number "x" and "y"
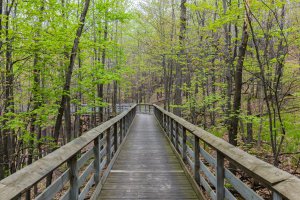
{"x": 58, "y": 61}
{"x": 231, "y": 69}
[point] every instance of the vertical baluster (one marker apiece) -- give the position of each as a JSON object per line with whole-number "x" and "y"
{"x": 220, "y": 176}
{"x": 108, "y": 146}
{"x": 276, "y": 196}
{"x": 121, "y": 130}
{"x": 164, "y": 122}
{"x": 97, "y": 159}
{"x": 197, "y": 160}
{"x": 74, "y": 186}
{"x": 124, "y": 129}
{"x": 184, "y": 146}
{"x": 125, "y": 119}
{"x": 116, "y": 137}
{"x": 176, "y": 135}
{"x": 171, "y": 128}
{"x": 28, "y": 194}
{"x": 168, "y": 126}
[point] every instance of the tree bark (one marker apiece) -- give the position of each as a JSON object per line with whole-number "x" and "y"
{"x": 238, "y": 85}
{"x": 182, "y": 59}
{"x": 66, "y": 88}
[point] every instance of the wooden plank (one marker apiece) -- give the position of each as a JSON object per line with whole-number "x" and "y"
{"x": 106, "y": 170}
{"x": 176, "y": 135}
{"x": 220, "y": 176}
{"x": 108, "y": 146}
{"x": 86, "y": 188}
{"x": 184, "y": 146}
{"x": 66, "y": 196}
{"x": 243, "y": 189}
{"x": 115, "y": 142}
{"x": 74, "y": 184}
{"x": 191, "y": 163}
{"x": 25, "y": 178}
{"x": 102, "y": 153}
{"x": 146, "y": 163}
{"x": 85, "y": 157}
{"x": 212, "y": 179}
{"x": 207, "y": 188}
{"x": 260, "y": 170}
{"x": 102, "y": 141}
{"x": 55, "y": 187}
{"x": 103, "y": 163}
{"x": 276, "y": 196}
{"x": 97, "y": 160}
{"x": 88, "y": 170}
{"x": 286, "y": 188}
{"x": 190, "y": 152}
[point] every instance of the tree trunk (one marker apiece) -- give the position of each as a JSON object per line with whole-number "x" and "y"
{"x": 66, "y": 88}
{"x": 238, "y": 85}
{"x": 182, "y": 59}
{"x": 103, "y": 60}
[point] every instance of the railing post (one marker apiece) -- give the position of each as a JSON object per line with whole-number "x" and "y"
{"x": 168, "y": 126}
{"x": 220, "y": 176}
{"x": 97, "y": 159}
{"x": 276, "y": 196}
{"x": 176, "y": 135}
{"x": 121, "y": 130}
{"x": 74, "y": 186}
{"x": 184, "y": 146}
{"x": 108, "y": 146}
{"x": 165, "y": 122}
{"x": 171, "y": 128}
{"x": 124, "y": 128}
{"x": 116, "y": 138}
{"x": 197, "y": 160}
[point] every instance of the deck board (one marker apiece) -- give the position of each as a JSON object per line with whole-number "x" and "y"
{"x": 146, "y": 167}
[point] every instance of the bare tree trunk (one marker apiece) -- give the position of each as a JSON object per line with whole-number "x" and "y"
{"x": 66, "y": 88}
{"x": 238, "y": 85}
{"x": 182, "y": 59}
{"x": 249, "y": 123}
{"x": 103, "y": 59}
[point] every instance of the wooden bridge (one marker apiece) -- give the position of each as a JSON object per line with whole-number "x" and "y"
{"x": 148, "y": 153}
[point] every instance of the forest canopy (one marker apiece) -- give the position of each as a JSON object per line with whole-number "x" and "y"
{"x": 231, "y": 67}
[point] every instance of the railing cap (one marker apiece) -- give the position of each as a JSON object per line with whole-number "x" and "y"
{"x": 276, "y": 179}
{"x": 13, "y": 185}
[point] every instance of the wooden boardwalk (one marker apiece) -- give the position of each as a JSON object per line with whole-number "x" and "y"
{"x": 146, "y": 167}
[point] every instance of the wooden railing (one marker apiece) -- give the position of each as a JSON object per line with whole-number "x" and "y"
{"x": 208, "y": 157}
{"x": 145, "y": 108}
{"x": 84, "y": 162}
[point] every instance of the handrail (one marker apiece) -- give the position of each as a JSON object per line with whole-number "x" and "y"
{"x": 281, "y": 183}
{"x": 106, "y": 139}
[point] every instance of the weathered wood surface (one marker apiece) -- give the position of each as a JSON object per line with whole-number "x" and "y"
{"x": 12, "y": 186}
{"x": 279, "y": 181}
{"x": 146, "y": 167}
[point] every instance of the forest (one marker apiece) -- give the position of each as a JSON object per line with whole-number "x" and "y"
{"x": 231, "y": 67}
